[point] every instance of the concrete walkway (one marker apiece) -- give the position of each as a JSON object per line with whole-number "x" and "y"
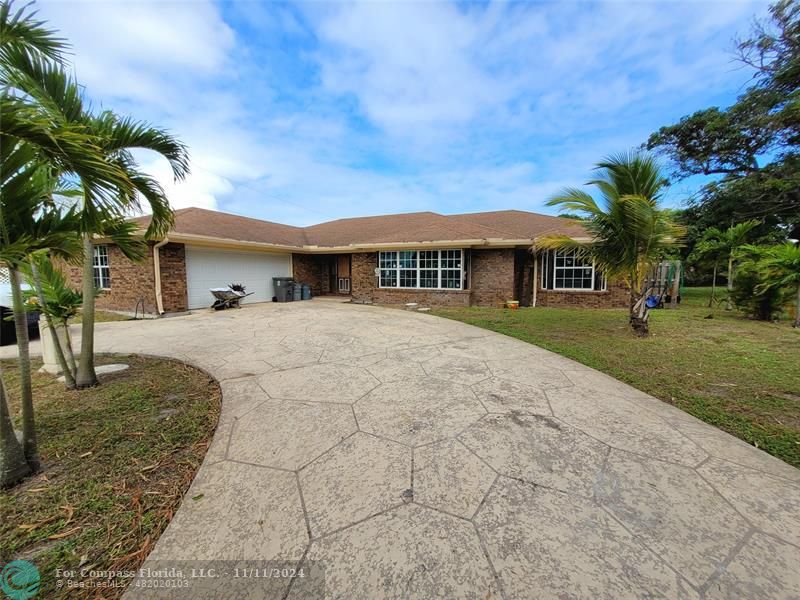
{"x": 408, "y": 456}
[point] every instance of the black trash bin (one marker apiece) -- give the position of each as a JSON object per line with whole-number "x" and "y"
{"x": 283, "y": 288}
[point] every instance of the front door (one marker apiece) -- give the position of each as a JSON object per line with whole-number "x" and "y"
{"x": 343, "y": 273}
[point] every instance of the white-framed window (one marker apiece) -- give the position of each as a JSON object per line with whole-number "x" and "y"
{"x": 421, "y": 269}
{"x": 572, "y": 272}
{"x": 567, "y": 271}
{"x": 101, "y": 269}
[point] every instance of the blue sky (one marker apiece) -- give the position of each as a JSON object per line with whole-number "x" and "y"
{"x": 300, "y": 113}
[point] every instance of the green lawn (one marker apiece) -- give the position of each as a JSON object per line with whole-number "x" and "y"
{"x": 117, "y": 459}
{"x": 742, "y": 376}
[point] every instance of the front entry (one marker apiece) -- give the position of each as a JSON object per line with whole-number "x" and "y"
{"x": 338, "y": 273}
{"x": 342, "y": 274}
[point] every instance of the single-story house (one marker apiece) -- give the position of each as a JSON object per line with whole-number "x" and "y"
{"x": 481, "y": 259}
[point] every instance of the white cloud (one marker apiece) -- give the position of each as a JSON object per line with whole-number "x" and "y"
{"x": 201, "y": 188}
{"x": 418, "y": 66}
{"x": 126, "y": 49}
{"x": 299, "y": 113}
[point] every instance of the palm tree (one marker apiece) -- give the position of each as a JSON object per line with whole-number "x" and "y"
{"x": 710, "y": 248}
{"x": 781, "y": 266}
{"x": 730, "y": 240}
{"x": 58, "y": 302}
{"x": 117, "y": 137}
{"x": 629, "y": 230}
{"x": 37, "y": 139}
{"x": 717, "y": 245}
{"x": 29, "y": 222}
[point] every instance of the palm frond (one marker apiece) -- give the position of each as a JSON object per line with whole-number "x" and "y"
{"x": 125, "y": 235}
{"x": 125, "y": 133}
{"x": 56, "y": 93}
{"x": 21, "y": 30}
{"x": 629, "y": 230}
{"x": 62, "y": 301}
{"x": 574, "y": 199}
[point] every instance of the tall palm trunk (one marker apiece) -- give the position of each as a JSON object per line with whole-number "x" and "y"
{"x": 713, "y": 287}
{"x": 69, "y": 375}
{"x": 68, "y": 341}
{"x": 13, "y": 466}
{"x": 639, "y": 314}
{"x": 86, "y": 377}
{"x": 21, "y": 327}
{"x": 728, "y": 305}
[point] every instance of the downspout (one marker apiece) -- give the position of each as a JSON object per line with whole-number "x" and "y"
{"x": 157, "y": 274}
{"x": 535, "y": 275}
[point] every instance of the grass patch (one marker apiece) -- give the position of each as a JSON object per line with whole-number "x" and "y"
{"x": 740, "y": 375}
{"x": 117, "y": 460}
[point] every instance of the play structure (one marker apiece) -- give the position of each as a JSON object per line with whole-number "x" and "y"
{"x": 665, "y": 284}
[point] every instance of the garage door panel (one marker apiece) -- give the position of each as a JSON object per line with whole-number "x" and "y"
{"x": 209, "y": 268}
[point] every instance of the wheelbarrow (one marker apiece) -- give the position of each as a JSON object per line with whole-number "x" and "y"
{"x": 227, "y": 298}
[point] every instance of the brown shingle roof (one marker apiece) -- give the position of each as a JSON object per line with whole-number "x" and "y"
{"x": 401, "y": 228}
{"x": 408, "y": 227}
{"x": 214, "y": 224}
{"x": 523, "y": 224}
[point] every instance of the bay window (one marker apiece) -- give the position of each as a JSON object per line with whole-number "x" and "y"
{"x": 421, "y": 269}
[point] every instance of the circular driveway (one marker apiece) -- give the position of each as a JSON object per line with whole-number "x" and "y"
{"x": 410, "y": 456}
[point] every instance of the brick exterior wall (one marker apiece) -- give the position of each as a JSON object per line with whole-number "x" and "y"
{"x": 422, "y": 297}
{"x": 492, "y": 282}
{"x": 132, "y": 281}
{"x": 492, "y": 277}
{"x": 173, "y": 278}
{"x": 363, "y": 281}
{"x": 616, "y": 296}
{"x": 313, "y": 270}
{"x": 495, "y": 276}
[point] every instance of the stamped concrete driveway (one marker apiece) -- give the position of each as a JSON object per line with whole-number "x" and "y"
{"x": 416, "y": 457}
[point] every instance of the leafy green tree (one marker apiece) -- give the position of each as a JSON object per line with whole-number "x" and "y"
{"x": 728, "y": 243}
{"x": 781, "y": 267}
{"x": 709, "y": 249}
{"x": 755, "y": 292}
{"x": 630, "y": 232}
{"x": 751, "y": 146}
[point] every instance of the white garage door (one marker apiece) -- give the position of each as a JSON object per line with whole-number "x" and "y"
{"x": 209, "y": 268}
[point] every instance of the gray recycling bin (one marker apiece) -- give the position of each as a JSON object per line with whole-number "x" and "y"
{"x": 306, "y": 292}
{"x": 283, "y": 288}
{"x": 297, "y": 291}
